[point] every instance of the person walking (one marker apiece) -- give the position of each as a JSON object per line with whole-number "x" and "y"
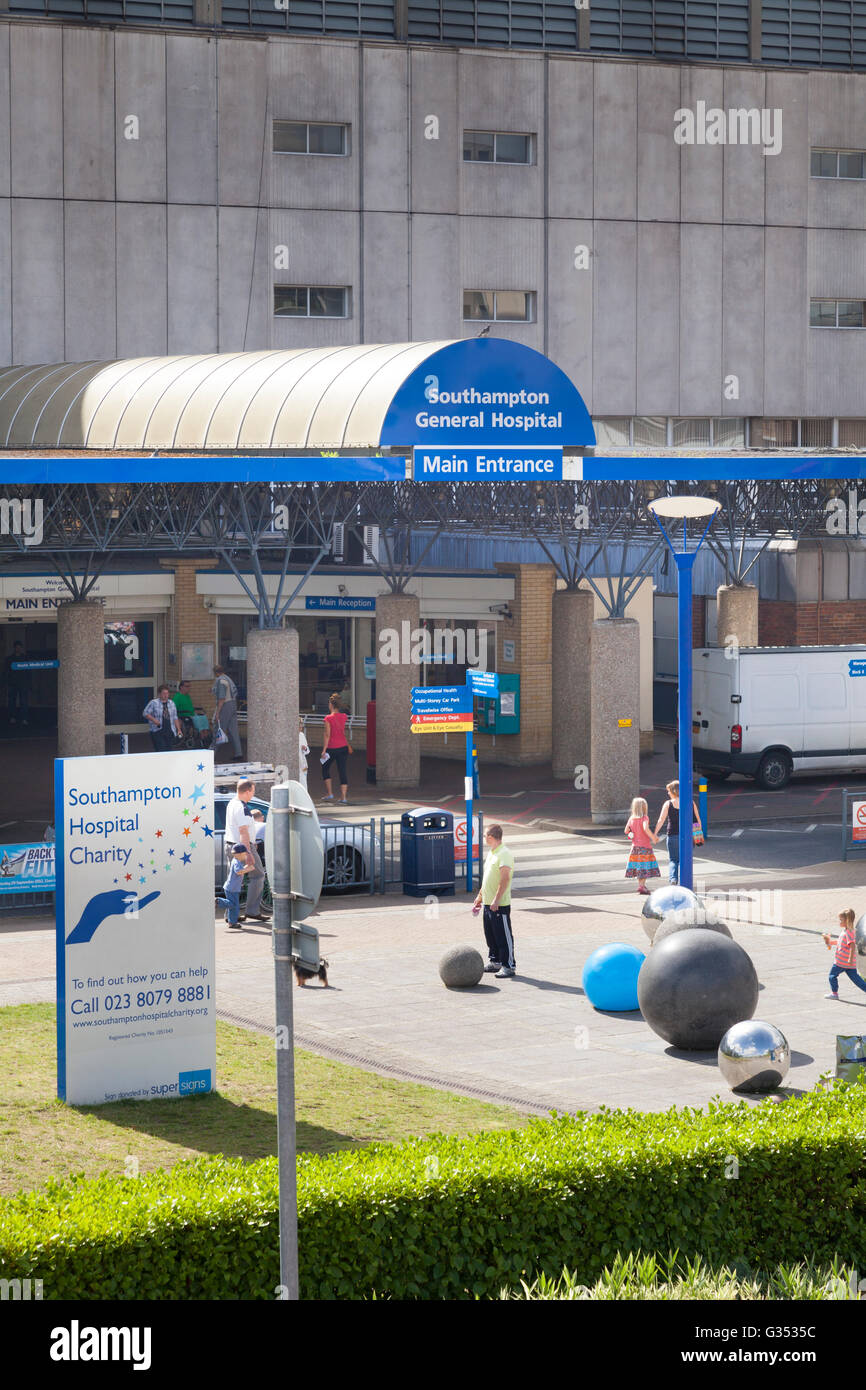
{"x": 335, "y": 750}
{"x": 161, "y": 715}
{"x": 670, "y": 815}
{"x": 241, "y": 830}
{"x": 845, "y": 959}
{"x": 225, "y": 694}
{"x": 494, "y": 896}
{"x": 641, "y": 862}
{"x": 239, "y": 865}
{"x": 17, "y": 685}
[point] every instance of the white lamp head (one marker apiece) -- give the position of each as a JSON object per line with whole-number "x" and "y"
{"x": 684, "y": 508}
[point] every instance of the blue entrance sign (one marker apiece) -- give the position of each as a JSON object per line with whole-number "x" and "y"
{"x": 490, "y": 390}
{"x": 483, "y": 682}
{"x": 246, "y": 468}
{"x": 324, "y": 603}
{"x": 35, "y": 665}
{"x": 517, "y": 465}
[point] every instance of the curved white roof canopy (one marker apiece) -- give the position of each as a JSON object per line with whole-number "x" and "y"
{"x": 309, "y": 398}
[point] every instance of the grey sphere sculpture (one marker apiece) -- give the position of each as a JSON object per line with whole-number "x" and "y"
{"x": 694, "y": 985}
{"x": 686, "y": 919}
{"x": 663, "y": 900}
{"x": 754, "y": 1056}
{"x": 461, "y": 967}
{"x": 860, "y": 935}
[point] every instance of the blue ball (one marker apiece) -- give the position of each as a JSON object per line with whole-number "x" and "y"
{"x": 610, "y": 977}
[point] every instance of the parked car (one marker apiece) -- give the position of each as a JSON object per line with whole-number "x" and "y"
{"x": 352, "y": 854}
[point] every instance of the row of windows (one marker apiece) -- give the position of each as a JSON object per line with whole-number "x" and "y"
{"x": 511, "y": 306}
{"x": 334, "y": 302}
{"x": 665, "y": 432}
{"x": 509, "y": 147}
{"x": 808, "y": 33}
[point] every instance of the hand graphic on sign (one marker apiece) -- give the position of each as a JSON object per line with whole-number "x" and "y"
{"x": 111, "y": 904}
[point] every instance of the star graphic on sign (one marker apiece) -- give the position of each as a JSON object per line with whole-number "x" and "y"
{"x": 142, "y": 879}
{"x": 187, "y": 831}
{"x": 192, "y": 844}
{"x": 128, "y": 877}
{"x": 200, "y": 767}
{"x": 171, "y": 851}
{"x": 167, "y": 867}
{"x": 140, "y": 865}
{"x": 208, "y": 832}
{"x": 196, "y": 793}
{"x": 187, "y": 858}
{"x": 114, "y": 880}
{"x": 186, "y": 810}
{"x": 196, "y": 819}
{"x": 159, "y": 834}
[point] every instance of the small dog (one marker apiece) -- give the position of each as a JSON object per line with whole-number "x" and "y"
{"x": 303, "y": 973}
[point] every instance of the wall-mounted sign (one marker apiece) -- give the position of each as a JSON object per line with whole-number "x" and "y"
{"x": 34, "y": 665}
{"x": 509, "y": 652}
{"x": 196, "y": 661}
{"x": 181, "y": 468}
{"x": 482, "y": 682}
{"x": 135, "y": 930}
{"x": 369, "y": 668}
{"x": 624, "y": 723}
{"x": 332, "y": 603}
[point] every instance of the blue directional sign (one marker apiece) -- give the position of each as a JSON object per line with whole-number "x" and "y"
{"x": 441, "y": 699}
{"x": 35, "y": 665}
{"x": 684, "y": 468}
{"x": 483, "y": 682}
{"x": 494, "y": 463}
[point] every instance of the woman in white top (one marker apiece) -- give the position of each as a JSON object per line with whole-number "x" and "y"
{"x": 303, "y": 753}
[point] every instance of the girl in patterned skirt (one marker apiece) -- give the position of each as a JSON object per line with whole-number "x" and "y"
{"x": 641, "y": 862}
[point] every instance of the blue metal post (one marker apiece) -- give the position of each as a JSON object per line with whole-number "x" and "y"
{"x": 468, "y": 787}
{"x": 685, "y": 563}
{"x": 703, "y": 807}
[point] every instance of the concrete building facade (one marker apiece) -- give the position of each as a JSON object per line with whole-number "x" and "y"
{"x": 687, "y": 289}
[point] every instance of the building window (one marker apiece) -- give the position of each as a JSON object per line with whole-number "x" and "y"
{"x": 496, "y": 147}
{"x": 310, "y": 137}
{"x": 852, "y": 434}
{"x": 791, "y": 434}
{"x": 498, "y": 306}
{"x": 311, "y": 302}
{"x": 837, "y": 313}
{"x": 838, "y": 164}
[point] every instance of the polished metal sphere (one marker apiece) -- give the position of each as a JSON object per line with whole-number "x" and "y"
{"x": 663, "y": 900}
{"x": 754, "y": 1056}
{"x": 687, "y": 917}
{"x": 860, "y": 936}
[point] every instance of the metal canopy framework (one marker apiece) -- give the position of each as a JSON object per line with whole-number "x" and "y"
{"x": 261, "y": 529}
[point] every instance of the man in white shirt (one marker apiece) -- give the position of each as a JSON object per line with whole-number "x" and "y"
{"x": 241, "y": 829}
{"x": 161, "y": 715}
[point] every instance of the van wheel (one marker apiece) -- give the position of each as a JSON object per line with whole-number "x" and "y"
{"x": 774, "y": 772}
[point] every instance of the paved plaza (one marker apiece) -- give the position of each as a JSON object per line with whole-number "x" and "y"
{"x": 535, "y": 1040}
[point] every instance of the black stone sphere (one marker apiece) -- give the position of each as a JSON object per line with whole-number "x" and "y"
{"x": 694, "y": 985}
{"x": 687, "y": 919}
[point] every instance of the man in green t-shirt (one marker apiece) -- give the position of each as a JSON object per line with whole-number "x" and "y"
{"x": 494, "y": 896}
{"x": 183, "y": 701}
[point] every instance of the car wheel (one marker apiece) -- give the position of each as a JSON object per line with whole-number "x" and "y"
{"x": 774, "y": 772}
{"x": 344, "y": 869}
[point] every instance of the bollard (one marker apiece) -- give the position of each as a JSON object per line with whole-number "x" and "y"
{"x": 703, "y": 807}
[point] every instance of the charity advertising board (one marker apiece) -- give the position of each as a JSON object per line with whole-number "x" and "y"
{"x": 27, "y": 868}
{"x": 858, "y": 820}
{"x": 136, "y": 1012}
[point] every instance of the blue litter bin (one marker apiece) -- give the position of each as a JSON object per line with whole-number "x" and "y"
{"x": 427, "y": 851}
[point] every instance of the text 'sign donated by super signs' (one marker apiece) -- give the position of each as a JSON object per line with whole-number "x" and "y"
{"x": 137, "y": 848}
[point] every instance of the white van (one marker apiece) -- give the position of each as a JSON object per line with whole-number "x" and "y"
{"x": 768, "y": 712}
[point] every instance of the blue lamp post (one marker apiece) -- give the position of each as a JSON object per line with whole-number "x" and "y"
{"x": 684, "y": 509}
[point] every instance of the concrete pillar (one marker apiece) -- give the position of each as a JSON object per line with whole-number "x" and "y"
{"x": 81, "y": 679}
{"x": 614, "y": 769}
{"x": 398, "y": 750}
{"x": 272, "y": 698}
{"x": 570, "y": 693}
{"x": 737, "y": 614}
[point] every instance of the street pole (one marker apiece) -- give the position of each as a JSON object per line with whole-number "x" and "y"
{"x": 685, "y": 563}
{"x": 280, "y": 873}
{"x": 467, "y": 791}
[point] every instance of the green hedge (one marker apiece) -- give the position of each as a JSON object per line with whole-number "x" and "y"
{"x": 452, "y": 1218}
